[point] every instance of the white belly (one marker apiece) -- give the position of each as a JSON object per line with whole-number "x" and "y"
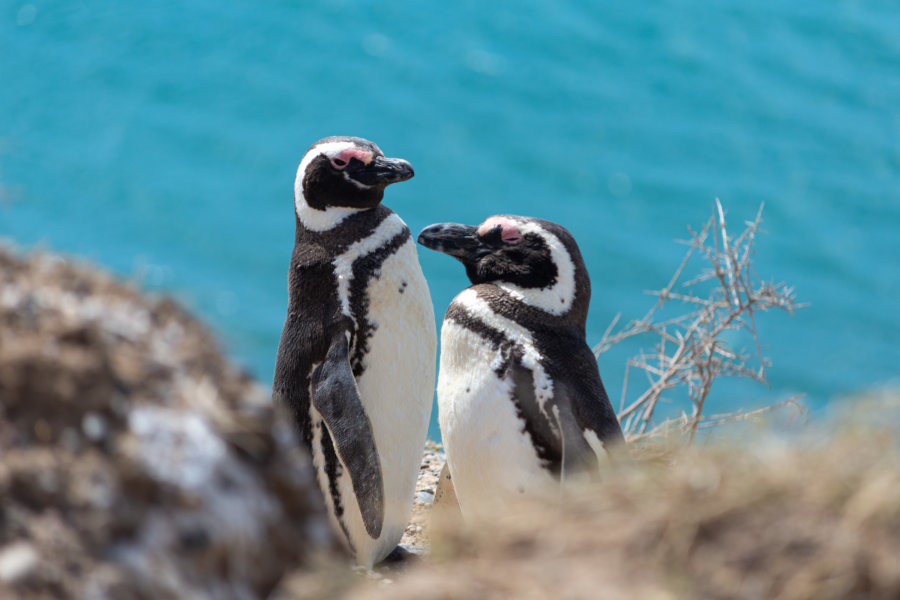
{"x": 490, "y": 455}
{"x": 396, "y": 388}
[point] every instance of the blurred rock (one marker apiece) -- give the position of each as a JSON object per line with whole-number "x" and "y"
{"x": 136, "y": 462}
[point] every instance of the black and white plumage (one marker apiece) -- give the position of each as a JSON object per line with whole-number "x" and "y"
{"x": 357, "y": 354}
{"x": 521, "y": 404}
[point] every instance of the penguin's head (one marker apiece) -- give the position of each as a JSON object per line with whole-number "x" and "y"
{"x": 341, "y": 175}
{"x": 537, "y": 261}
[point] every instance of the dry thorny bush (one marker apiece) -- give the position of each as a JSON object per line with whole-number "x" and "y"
{"x": 691, "y": 348}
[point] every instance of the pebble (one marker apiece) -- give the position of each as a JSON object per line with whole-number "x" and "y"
{"x": 17, "y": 560}
{"x": 93, "y": 426}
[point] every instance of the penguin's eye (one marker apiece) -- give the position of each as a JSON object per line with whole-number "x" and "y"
{"x": 502, "y": 234}
{"x": 493, "y": 237}
{"x": 350, "y": 156}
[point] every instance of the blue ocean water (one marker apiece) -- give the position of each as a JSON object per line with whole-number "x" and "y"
{"x": 161, "y": 140}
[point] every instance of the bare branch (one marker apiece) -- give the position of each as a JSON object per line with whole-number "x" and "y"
{"x": 690, "y": 351}
{"x": 682, "y": 424}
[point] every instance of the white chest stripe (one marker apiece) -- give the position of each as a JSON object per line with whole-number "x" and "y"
{"x": 343, "y": 263}
{"x": 557, "y": 298}
{"x": 477, "y": 307}
{"x": 322, "y": 220}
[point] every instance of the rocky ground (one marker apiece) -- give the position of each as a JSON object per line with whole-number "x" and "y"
{"x": 135, "y": 462}
{"x": 433, "y": 488}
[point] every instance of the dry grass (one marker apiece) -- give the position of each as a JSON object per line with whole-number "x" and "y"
{"x": 816, "y": 517}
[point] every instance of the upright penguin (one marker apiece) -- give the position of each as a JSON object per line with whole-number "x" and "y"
{"x": 357, "y": 354}
{"x": 520, "y": 400}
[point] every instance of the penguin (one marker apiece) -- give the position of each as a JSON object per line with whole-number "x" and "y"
{"x": 521, "y": 405}
{"x": 356, "y": 361}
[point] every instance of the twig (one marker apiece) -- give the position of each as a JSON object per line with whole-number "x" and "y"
{"x": 690, "y": 350}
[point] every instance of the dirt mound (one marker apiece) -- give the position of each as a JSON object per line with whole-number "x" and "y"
{"x": 136, "y": 463}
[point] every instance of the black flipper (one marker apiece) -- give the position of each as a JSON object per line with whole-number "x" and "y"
{"x": 336, "y": 397}
{"x": 577, "y": 454}
{"x": 538, "y": 425}
{"x": 562, "y": 433}
{"x": 592, "y": 411}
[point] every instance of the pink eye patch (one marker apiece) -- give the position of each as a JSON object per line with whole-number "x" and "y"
{"x": 509, "y": 233}
{"x": 342, "y": 158}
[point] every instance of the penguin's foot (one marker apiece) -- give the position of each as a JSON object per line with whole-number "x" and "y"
{"x": 400, "y": 557}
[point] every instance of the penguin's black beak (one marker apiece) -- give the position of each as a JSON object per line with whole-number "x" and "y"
{"x": 384, "y": 171}
{"x": 455, "y": 239}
